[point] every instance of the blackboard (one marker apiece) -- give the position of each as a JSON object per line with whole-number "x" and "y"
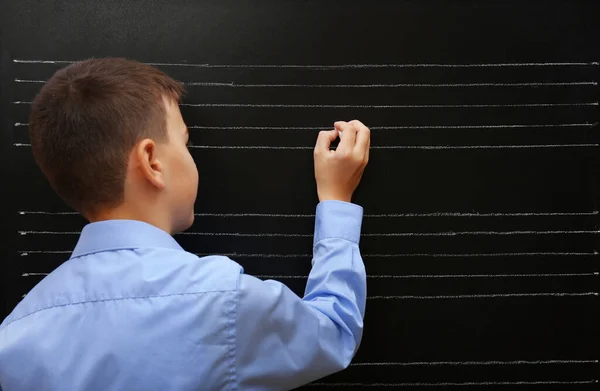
{"x": 480, "y": 235}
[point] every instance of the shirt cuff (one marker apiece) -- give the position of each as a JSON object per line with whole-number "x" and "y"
{"x": 338, "y": 219}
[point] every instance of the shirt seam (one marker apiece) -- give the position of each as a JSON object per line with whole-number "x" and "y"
{"x": 112, "y": 299}
{"x": 232, "y": 321}
{"x": 79, "y": 254}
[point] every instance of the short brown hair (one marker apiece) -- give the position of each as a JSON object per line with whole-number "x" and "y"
{"x": 88, "y": 117}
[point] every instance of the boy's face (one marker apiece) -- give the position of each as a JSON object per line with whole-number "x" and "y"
{"x": 182, "y": 174}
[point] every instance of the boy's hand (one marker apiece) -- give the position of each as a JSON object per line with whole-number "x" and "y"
{"x": 339, "y": 172}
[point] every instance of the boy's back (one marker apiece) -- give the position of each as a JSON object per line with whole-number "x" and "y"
{"x": 131, "y": 310}
{"x": 128, "y": 317}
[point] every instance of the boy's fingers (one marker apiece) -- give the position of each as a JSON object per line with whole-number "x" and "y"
{"x": 363, "y": 138}
{"x": 339, "y": 124}
{"x": 348, "y": 139}
{"x": 324, "y": 139}
{"x": 359, "y": 125}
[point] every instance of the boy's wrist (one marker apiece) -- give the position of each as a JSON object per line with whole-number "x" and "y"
{"x": 338, "y": 219}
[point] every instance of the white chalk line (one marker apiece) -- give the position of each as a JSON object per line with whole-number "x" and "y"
{"x": 484, "y": 296}
{"x": 493, "y": 214}
{"x": 30, "y": 81}
{"x": 393, "y": 85}
{"x": 417, "y": 147}
{"x": 455, "y": 384}
{"x": 39, "y": 212}
{"x": 396, "y": 85}
{"x": 399, "y": 127}
{"x": 483, "y": 233}
{"x": 49, "y": 232}
{"x": 340, "y": 66}
{"x": 414, "y": 147}
{"x": 25, "y": 253}
{"x": 474, "y": 363}
{"x": 448, "y": 276}
{"x": 384, "y": 215}
{"x": 394, "y": 234}
{"x": 501, "y": 126}
{"x": 396, "y": 127}
{"x": 480, "y": 255}
{"x": 364, "y": 106}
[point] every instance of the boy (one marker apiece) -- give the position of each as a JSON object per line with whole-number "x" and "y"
{"x": 131, "y": 310}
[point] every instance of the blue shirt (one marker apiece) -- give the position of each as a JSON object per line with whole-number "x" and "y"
{"x": 131, "y": 310}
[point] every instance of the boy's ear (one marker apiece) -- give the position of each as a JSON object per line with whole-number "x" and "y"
{"x": 146, "y": 157}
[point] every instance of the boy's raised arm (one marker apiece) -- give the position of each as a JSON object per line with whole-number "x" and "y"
{"x": 283, "y": 341}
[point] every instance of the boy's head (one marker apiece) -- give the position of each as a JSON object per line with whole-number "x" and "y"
{"x": 109, "y": 136}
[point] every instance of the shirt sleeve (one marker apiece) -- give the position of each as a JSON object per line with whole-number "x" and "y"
{"x": 284, "y": 341}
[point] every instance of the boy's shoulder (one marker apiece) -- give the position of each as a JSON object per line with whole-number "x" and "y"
{"x": 129, "y": 274}
{"x": 204, "y": 274}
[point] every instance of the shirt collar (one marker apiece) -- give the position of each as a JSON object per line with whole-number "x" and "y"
{"x": 121, "y": 234}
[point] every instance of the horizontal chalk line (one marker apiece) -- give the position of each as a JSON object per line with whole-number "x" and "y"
{"x": 33, "y": 274}
{"x": 475, "y": 363}
{"x": 25, "y": 253}
{"x": 484, "y": 296}
{"x": 455, "y": 384}
{"x": 396, "y": 127}
{"x": 384, "y": 215}
{"x": 484, "y": 233}
{"x": 396, "y": 234}
{"x": 501, "y": 126}
{"x": 29, "y": 81}
{"x": 357, "y": 106}
{"x": 450, "y": 276}
{"x": 397, "y": 85}
{"x": 39, "y": 212}
{"x": 479, "y": 255}
{"x": 49, "y": 232}
{"x": 493, "y": 214}
{"x": 339, "y": 66}
{"x": 403, "y": 255}
{"x": 415, "y": 147}
{"x": 449, "y": 233}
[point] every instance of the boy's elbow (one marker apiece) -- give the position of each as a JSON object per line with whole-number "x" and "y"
{"x": 352, "y": 338}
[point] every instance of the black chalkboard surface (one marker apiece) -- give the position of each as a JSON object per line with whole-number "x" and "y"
{"x": 481, "y": 207}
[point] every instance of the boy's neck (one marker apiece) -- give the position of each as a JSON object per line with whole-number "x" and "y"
{"x": 127, "y": 213}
